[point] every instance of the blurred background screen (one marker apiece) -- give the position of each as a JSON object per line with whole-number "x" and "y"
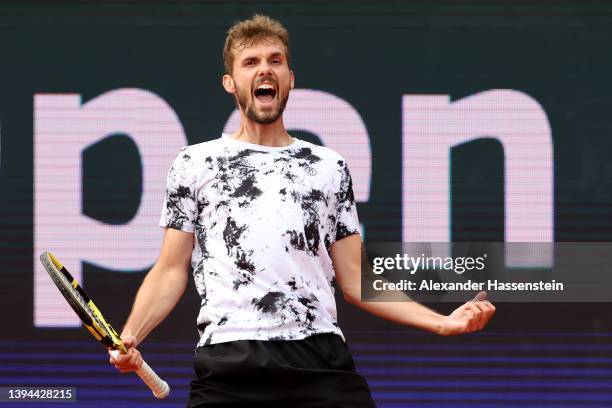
{"x": 460, "y": 120}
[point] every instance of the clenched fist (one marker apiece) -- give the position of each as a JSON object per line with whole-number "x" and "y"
{"x": 471, "y": 316}
{"x": 126, "y": 362}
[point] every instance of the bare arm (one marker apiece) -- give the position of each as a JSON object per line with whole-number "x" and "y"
{"x": 158, "y": 294}
{"x": 347, "y": 259}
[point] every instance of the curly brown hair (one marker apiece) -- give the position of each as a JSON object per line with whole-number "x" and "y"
{"x": 248, "y": 32}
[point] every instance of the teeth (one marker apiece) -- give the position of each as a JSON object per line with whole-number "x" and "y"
{"x": 265, "y": 86}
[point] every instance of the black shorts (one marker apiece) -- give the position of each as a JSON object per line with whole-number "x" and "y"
{"x": 317, "y": 371}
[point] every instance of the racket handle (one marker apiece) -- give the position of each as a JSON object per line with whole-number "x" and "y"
{"x": 160, "y": 388}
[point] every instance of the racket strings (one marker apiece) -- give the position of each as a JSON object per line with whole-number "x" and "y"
{"x": 76, "y": 296}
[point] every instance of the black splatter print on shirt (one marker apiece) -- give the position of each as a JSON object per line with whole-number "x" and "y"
{"x": 264, "y": 219}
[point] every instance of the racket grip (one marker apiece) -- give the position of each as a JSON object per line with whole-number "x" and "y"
{"x": 160, "y": 388}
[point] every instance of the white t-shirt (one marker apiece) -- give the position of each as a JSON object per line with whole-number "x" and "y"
{"x": 264, "y": 219}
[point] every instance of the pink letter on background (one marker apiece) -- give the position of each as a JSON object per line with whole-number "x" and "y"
{"x": 63, "y": 128}
{"x": 432, "y": 125}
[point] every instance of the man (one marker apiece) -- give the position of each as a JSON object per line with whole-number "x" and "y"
{"x": 269, "y": 223}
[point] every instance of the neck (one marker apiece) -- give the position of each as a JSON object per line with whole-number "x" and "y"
{"x": 272, "y": 135}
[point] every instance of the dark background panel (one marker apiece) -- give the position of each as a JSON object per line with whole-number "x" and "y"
{"x": 370, "y": 54}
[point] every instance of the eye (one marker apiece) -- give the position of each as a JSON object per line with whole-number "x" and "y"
{"x": 276, "y": 61}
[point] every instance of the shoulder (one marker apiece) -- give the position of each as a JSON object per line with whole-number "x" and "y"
{"x": 191, "y": 160}
{"x": 323, "y": 154}
{"x": 200, "y": 150}
{"x": 197, "y": 154}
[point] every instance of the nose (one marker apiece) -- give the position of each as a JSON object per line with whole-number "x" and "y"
{"x": 265, "y": 69}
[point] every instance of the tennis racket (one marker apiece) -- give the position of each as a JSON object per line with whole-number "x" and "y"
{"x": 95, "y": 322}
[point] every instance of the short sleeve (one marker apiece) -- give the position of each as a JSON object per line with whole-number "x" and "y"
{"x": 347, "y": 221}
{"x": 180, "y": 209}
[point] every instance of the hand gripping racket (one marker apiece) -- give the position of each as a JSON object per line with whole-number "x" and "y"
{"x": 95, "y": 322}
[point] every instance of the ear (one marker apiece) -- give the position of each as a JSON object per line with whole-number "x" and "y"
{"x": 228, "y": 83}
{"x": 292, "y": 83}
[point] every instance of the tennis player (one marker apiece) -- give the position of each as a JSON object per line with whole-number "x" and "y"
{"x": 269, "y": 224}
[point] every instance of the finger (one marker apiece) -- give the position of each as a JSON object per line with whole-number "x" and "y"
{"x": 475, "y": 316}
{"x": 129, "y": 354}
{"x": 135, "y": 356}
{"x": 489, "y": 309}
{"x": 490, "y": 312}
{"x": 126, "y": 367}
{"x": 482, "y": 314}
{"x": 474, "y": 321}
{"x": 123, "y": 358}
{"x": 490, "y": 306}
{"x": 127, "y": 359}
{"x": 133, "y": 360}
{"x": 480, "y": 296}
{"x": 469, "y": 314}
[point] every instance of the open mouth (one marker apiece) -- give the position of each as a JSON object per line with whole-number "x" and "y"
{"x": 265, "y": 93}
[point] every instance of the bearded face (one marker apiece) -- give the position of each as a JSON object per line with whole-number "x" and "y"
{"x": 263, "y": 102}
{"x": 261, "y": 79}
